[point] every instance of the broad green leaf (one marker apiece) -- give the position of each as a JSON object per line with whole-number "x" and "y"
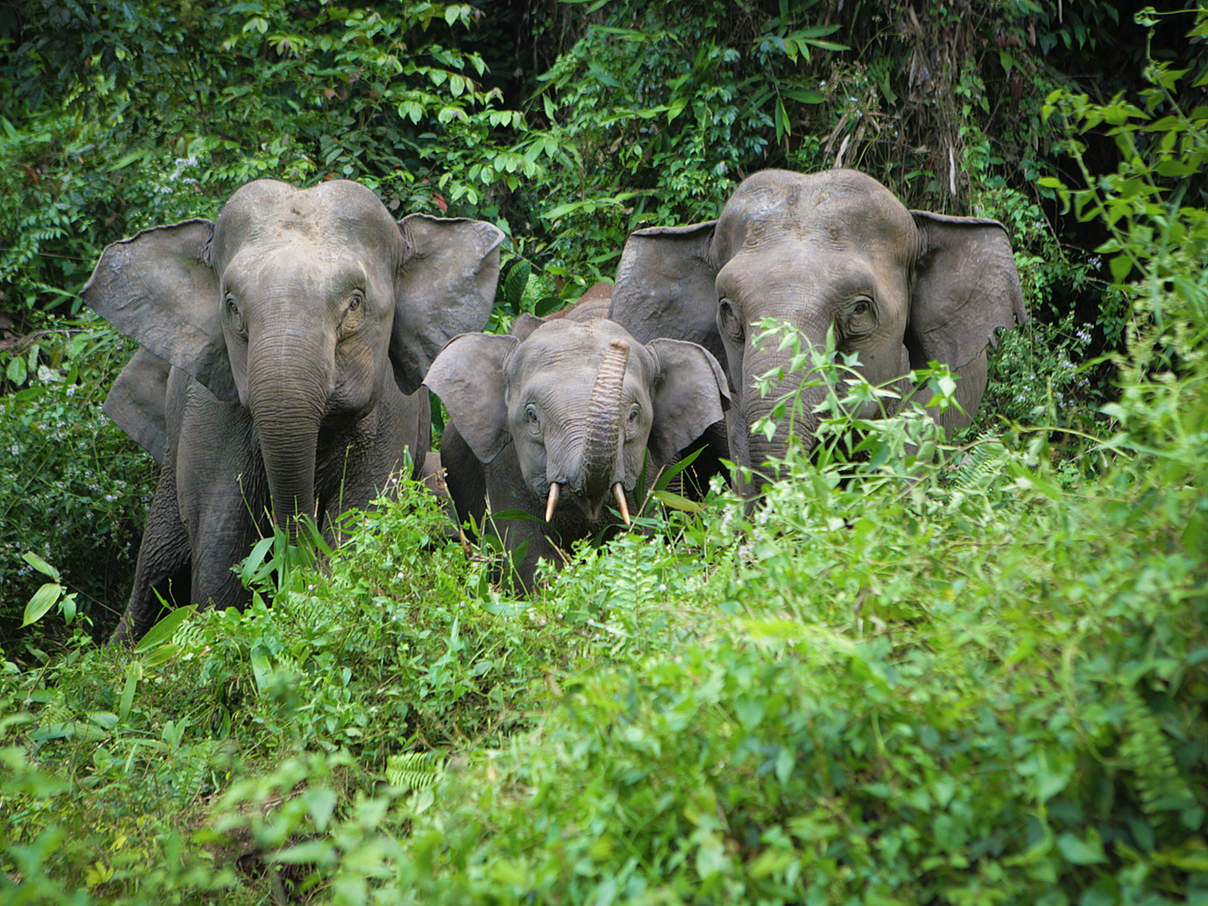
{"x": 782, "y": 120}
{"x": 1082, "y": 852}
{"x": 1120, "y": 265}
{"x": 252, "y": 563}
{"x": 517, "y": 279}
{"x": 675, "y": 501}
{"x": 127, "y": 159}
{"x": 106, "y": 720}
{"x": 43, "y": 599}
{"x": 310, "y": 852}
{"x": 320, "y": 804}
{"x": 134, "y": 673}
{"x": 261, "y": 668}
{"x": 804, "y": 95}
{"x": 668, "y": 474}
{"x": 164, "y": 629}
{"x": 40, "y": 565}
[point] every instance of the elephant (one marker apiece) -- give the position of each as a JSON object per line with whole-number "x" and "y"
{"x": 556, "y": 420}
{"x": 282, "y": 352}
{"x": 833, "y": 250}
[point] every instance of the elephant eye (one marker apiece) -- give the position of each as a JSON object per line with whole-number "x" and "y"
{"x": 355, "y": 301}
{"x": 727, "y": 320}
{"x": 234, "y": 314}
{"x": 530, "y": 415}
{"x": 634, "y": 411}
{"x": 860, "y": 317}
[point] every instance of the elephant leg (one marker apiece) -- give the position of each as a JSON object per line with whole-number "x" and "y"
{"x": 525, "y": 540}
{"x": 356, "y": 465}
{"x": 224, "y": 498}
{"x": 226, "y": 522}
{"x": 465, "y": 476}
{"x": 162, "y": 571}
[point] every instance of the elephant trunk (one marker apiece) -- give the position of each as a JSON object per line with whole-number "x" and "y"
{"x": 601, "y": 454}
{"x": 288, "y": 398}
{"x": 798, "y": 423}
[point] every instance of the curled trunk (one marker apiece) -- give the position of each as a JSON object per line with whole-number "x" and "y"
{"x": 600, "y": 456}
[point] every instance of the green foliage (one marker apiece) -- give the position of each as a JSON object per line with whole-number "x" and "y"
{"x": 650, "y": 117}
{"x": 149, "y": 113}
{"x": 76, "y": 487}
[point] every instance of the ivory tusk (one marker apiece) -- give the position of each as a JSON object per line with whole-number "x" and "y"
{"x": 551, "y": 504}
{"x": 622, "y": 504}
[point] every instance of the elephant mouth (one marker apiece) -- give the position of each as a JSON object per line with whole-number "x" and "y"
{"x": 593, "y": 509}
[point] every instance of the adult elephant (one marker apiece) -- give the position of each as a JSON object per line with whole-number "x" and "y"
{"x": 559, "y": 418}
{"x": 284, "y": 346}
{"x": 831, "y": 250}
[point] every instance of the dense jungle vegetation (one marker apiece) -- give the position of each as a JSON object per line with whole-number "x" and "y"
{"x": 964, "y": 670}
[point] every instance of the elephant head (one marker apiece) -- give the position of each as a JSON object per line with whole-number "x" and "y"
{"x": 301, "y": 304}
{"x": 837, "y": 251}
{"x": 580, "y": 402}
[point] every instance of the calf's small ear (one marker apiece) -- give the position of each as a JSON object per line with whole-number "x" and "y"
{"x": 137, "y": 402}
{"x": 691, "y": 393}
{"x": 524, "y": 325}
{"x": 468, "y": 377}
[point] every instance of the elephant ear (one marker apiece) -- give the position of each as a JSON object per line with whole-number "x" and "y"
{"x": 158, "y": 287}
{"x": 691, "y": 393}
{"x": 137, "y": 402}
{"x": 965, "y": 288}
{"x": 664, "y": 286}
{"x": 468, "y": 377}
{"x": 445, "y": 287}
{"x": 524, "y": 325}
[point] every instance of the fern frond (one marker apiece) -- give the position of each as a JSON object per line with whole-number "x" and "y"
{"x": 1147, "y": 754}
{"x": 980, "y": 467}
{"x": 412, "y": 771}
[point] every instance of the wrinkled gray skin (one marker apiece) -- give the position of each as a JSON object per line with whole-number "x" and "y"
{"x": 572, "y": 400}
{"x": 825, "y": 250}
{"x": 283, "y": 350}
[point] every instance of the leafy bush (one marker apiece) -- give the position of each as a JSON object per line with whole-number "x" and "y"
{"x": 77, "y": 487}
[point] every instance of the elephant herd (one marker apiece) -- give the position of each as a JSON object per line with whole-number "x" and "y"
{"x": 287, "y": 349}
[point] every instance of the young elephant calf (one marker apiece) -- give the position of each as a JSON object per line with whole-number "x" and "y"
{"x": 556, "y": 420}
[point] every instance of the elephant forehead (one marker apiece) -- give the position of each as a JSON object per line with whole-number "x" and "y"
{"x": 340, "y": 212}
{"x": 562, "y": 344}
{"x": 312, "y": 266}
{"x": 566, "y": 395}
{"x": 837, "y": 207}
